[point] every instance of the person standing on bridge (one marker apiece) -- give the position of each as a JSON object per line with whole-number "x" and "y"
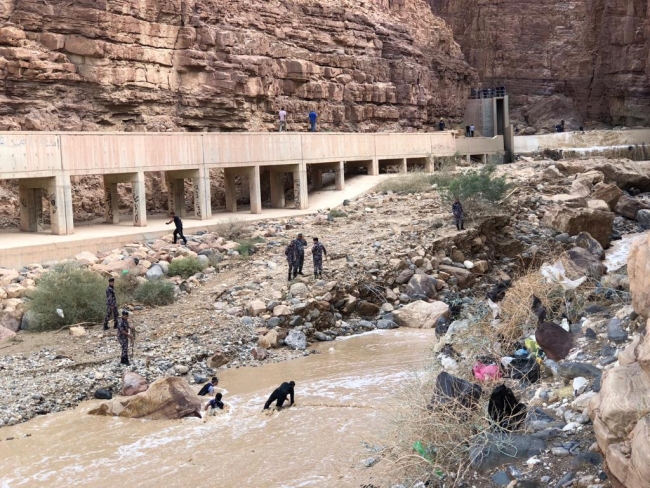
{"x": 471, "y": 130}
{"x": 459, "y": 214}
{"x": 178, "y": 223}
{"x": 111, "y": 304}
{"x": 292, "y": 259}
{"x": 317, "y": 251}
{"x": 123, "y": 336}
{"x": 313, "y": 116}
{"x": 441, "y": 125}
{"x": 282, "y": 114}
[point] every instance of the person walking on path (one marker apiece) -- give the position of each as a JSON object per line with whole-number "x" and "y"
{"x": 301, "y": 244}
{"x": 111, "y": 304}
{"x": 459, "y": 214}
{"x": 178, "y": 223}
{"x": 292, "y": 259}
{"x": 282, "y": 114}
{"x": 317, "y": 252}
{"x": 313, "y": 116}
{"x": 123, "y": 336}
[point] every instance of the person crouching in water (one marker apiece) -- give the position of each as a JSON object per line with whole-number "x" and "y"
{"x": 215, "y": 405}
{"x": 459, "y": 214}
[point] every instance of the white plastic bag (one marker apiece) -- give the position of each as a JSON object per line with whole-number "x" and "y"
{"x": 556, "y": 274}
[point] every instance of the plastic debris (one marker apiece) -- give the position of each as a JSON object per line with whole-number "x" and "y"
{"x": 556, "y": 274}
{"x": 484, "y": 372}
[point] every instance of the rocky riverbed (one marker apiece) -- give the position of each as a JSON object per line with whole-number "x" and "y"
{"x": 394, "y": 260}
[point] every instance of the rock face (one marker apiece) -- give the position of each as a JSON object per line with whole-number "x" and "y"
{"x": 166, "y": 399}
{"x": 637, "y": 267}
{"x": 582, "y": 60}
{"x": 575, "y": 220}
{"x": 421, "y": 315}
{"x": 228, "y": 65}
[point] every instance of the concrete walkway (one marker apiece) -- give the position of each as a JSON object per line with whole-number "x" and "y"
{"x": 20, "y": 248}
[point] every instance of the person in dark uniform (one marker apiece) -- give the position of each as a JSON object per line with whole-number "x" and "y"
{"x": 317, "y": 251}
{"x": 292, "y": 259}
{"x": 111, "y": 304}
{"x": 459, "y": 214}
{"x": 123, "y": 336}
{"x": 178, "y": 223}
{"x": 280, "y": 395}
{"x": 441, "y": 125}
{"x": 300, "y": 244}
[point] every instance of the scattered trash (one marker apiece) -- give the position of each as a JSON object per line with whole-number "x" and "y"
{"x": 488, "y": 372}
{"x": 504, "y": 408}
{"x": 556, "y": 274}
{"x": 452, "y": 389}
{"x": 59, "y": 312}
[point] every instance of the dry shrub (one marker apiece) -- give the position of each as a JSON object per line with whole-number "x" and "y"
{"x": 413, "y": 182}
{"x": 231, "y": 230}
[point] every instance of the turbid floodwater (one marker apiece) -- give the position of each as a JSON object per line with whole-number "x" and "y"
{"x": 343, "y": 403}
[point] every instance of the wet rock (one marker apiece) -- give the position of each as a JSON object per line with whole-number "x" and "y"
{"x": 166, "y": 399}
{"x": 296, "y": 340}
{"x": 133, "y": 383}
{"x": 585, "y": 241}
{"x": 218, "y": 359}
{"x": 582, "y": 262}
{"x": 103, "y": 394}
{"x": 575, "y": 220}
{"x": 643, "y": 218}
{"x": 421, "y": 315}
{"x": 386, "y": 324}
{"x": 563, "y": 238}
{"x": 615, "y": 331}
{"x": 367, "y": 309}
{"x": 570, "y": 370}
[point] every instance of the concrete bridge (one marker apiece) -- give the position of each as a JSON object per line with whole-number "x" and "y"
{"x": 46, "y": 161}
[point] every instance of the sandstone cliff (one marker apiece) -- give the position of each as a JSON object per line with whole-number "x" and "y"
{"x": 581, "y": 60}
{"x": 227, "y": 65}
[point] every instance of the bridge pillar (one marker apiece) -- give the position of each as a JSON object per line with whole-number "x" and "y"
{"x": 201, "y": 188}
{"x": 339, "y": 176}
{"x": 60, "y": 191}
{"x": 230, "y": 190}
{"x": 111, "y": 203}
{"x": 317, "y": 177}
{"x": 176, "y": 195}
{"x": 429, "y": 164}
{"x": 31, "y": 209}
{"x": 255, "y": 190}
{"x": 277, "y": 189}
{"x": 403, "y": 167}
{"x": 373, "y": 167}
{"x": 139, "y": 200}
{"x": 300, "y": 190}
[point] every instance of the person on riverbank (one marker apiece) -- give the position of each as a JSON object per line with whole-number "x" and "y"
{"x": 313, "y": 116}
{"x": 178, "y": 224}
{"x": 280, "y": 394}
{"x": 208, "y": 388}
{"x": 317, "y": 252}
{"x": 300, "y": 244}
{"x": 459, "y": 214}
{"x": 111, "y": 304}
{"x": 123, "y": 336}
{"x": 282, "y": 115}
{"x": 292, "y": 259}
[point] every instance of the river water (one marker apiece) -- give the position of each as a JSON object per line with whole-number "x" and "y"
{"x": 342, "y": 400}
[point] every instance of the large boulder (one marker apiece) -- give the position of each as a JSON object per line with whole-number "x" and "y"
{"x": 166, "y": 399}
{"x": 608, "y": 192}
{"x": 628, "y": 206}
{"x": 421, "y": 315}
{"x": 296, "y": 340}
{"x": 422, "y": 286}
{"x": 643, "y": 218}
{"x": 6, "y": 334}
{"x": 299, "y": 290}
{"x": 367, "y": 309}
{"x": 585, "y": 241}
{"x": 86, "y": 258}
{"x": 154, "y": 273}
{"x": 638, "y": 264}
{"x": 218, "y": 359}
{"x": 133, "y": 383}
{"x": 464, "y": 276}
{"x": 255, "y": 308}
{"x": 11, "y": 319}
{"x": 624, "y": 173}
{"x": 575, "y": 220}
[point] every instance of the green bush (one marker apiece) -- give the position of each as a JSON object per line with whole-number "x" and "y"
{"x": 78, "y": 292}
{"x": 336, "y": 213}
{"x": 474, "y": 188}
{"x": 247, "y": 246}
{"x": 185, "y": 267}
{"x": 125, "y": 286}
{"x": 155, "y": 293}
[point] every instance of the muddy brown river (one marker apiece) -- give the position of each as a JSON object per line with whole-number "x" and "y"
{"x": 343, "y": 398}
